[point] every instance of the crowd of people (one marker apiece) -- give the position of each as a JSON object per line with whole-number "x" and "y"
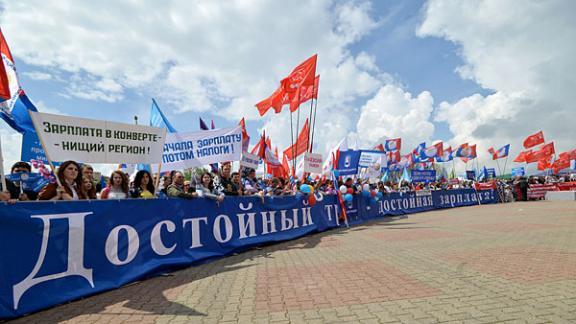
{"x": 76, "y": 182}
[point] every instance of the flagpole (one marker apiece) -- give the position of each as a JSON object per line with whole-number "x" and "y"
{"x": 297, "y": 130}
{"x": 505, "y": 162}
{"x": 309, "y": 148}
{"x": 499, "y": 170}
{"x": 292, "y": 139}
{"x": 4, "y": 188}
{"x": 45, "y": 150}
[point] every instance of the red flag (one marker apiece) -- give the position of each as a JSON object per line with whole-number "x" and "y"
{"x": 245, "y": 136}
{"x": 285, "y": 165}
{"x": 310, "y": 92}
{"x": 544, "y": 152}
{"x": 277, "y": 100}
{"x": 379, "y": 147}
{"x": 534, "y": 140}
{"x": 262, "y": 146}
{"x": 522, "y": 156}
{"x": 301, "y": 144}
{"x": 544, "y": 163}
{"x": 302, "y": 75}
{"x": 394, "y": 156}
{"x": 305, "y": 93}
{"x": 256, "y": 148}
{"x": 5, "y": 92}
{"x": 560, "y": 164}
{"x": 548, "y": 149}
{"x": 568, "y": 155}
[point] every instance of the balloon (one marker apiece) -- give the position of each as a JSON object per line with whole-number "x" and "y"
{"x": 311, "y": 200}
{"x": 348, "y": 197}
{"x": 366, "y": 187}
{"x": 350, "y": 191}
{"x": 305, "y": 188}
{"x": 365, "y": 193}
{"x": 343, "y": 189}
{"x": 379, "y": 195}
{"x": 373, "y": 193}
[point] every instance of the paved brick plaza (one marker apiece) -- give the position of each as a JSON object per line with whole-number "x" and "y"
{"x": 514, "y": 262}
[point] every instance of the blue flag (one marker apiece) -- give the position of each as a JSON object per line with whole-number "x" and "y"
{"x": 157, "y": 118}
{"x": 406, "y": 175}
{"x": 17, "y": 116}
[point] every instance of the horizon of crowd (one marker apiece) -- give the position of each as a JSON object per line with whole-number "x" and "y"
{"x": 76, "y": 182}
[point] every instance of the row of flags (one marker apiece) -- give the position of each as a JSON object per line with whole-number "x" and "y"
{"x": 300, "y": 86}
{"x": 544, "y": 154}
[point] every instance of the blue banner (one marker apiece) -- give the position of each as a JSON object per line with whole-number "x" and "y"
{"x": 491, "y": 173}
{"x": 61, "y": 251}
{"x": 423, "y": 175}
{"x": 32, "y": 148}
{"x": 348, "y": 162}
{"x": 28, "y": 181}
{"x": 520, "y": 171}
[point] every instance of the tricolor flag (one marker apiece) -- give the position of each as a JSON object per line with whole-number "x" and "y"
{"x": 463, "y": 150}
{"x": 446, "y": 155}
{"x": 393, "y": 157}
{"x": 393, "y": 144}
{"x": 501, "y": 153}
{"x": 9, "y": 85}
{"x": 431, "y": 152}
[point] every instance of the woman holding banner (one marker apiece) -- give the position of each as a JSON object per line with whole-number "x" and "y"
{"x": 117, "y": 186}
{"x": 71, "y": 180}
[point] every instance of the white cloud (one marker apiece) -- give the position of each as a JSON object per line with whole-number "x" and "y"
{"x": 523, "y": 51}
{"x": 395, "y": 113}
{"x": 198, "y": 56}
{"x": 11, "y": 146}
{"x": 38, "y": 75}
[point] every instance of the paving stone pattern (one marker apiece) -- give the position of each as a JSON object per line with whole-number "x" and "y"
{"x": 483, "y": 264}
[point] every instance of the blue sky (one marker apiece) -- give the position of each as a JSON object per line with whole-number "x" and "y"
{"x": 420, "y": 70}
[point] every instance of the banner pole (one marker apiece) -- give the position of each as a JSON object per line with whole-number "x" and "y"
{"x": 292, "y": 146}
{"x": 309, "y": 148}
{"x": 4, "y": 188}
{"x": 157, "y": 182}
{"x": 31, "y": 113}
{"x": 505, "y": 162}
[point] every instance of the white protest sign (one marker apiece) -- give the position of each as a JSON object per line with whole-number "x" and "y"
{"x": 249, "y": 160}
{"x": 313, "y": 163}
{"x": 98, "y": 141}
{"x": 190, "y": 150}
{"x": 371, "y": 158}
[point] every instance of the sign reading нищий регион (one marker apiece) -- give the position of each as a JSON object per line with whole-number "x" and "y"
{"x": 98, "y": 141}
